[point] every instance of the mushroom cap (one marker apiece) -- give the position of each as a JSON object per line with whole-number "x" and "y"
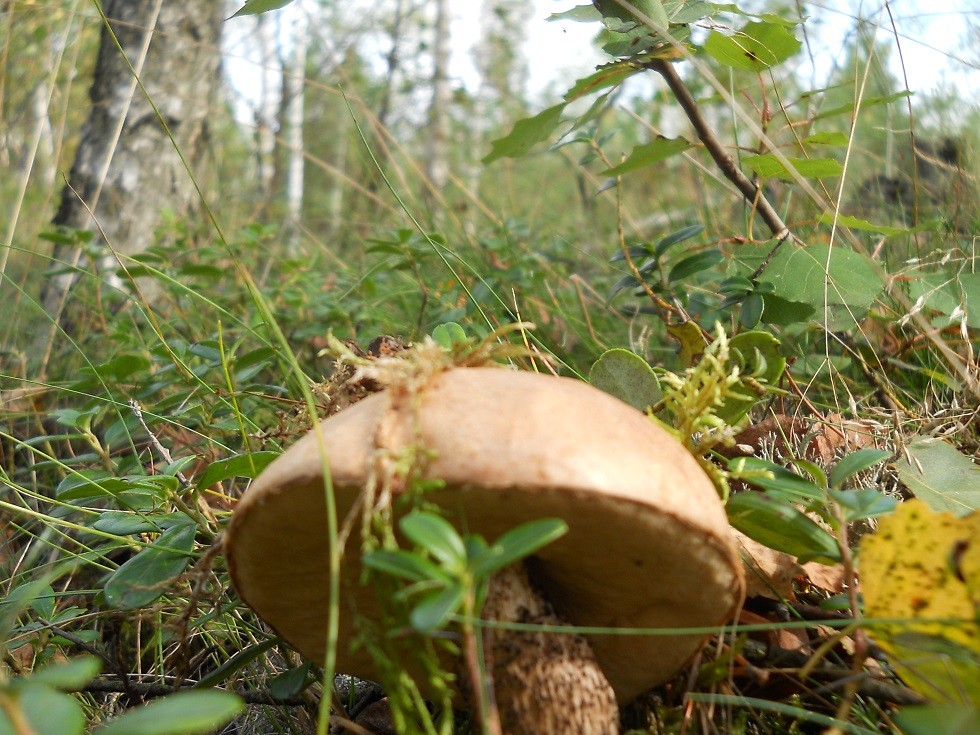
{"x": 648, "y": 545}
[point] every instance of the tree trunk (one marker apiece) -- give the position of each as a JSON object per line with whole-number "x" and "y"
{"x": 437, "y": 163}
{"x": 295, "y": 85}
{"x": 126, "y": 170}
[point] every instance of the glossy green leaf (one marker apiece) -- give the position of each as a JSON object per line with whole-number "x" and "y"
{"x": 436, "y": 535}
{"x": 434, "y": 610}
{"x": 855, "y": 462}
{"x": 640, "y": 11}
{"x": 944, "y": 478}
{"x": 755, "y": 47}
{"x": 780, "y": 526}
{"x": 525, "y": 134}
{"x": 627, "y": 376}
{"x": 186, "y": 713}
{"x": 144, "y": 578}
{"x": 519, "y": 543}
{"x": 647, "y": 154}
{"x": 241, "y": 465}
{"x": 768, "y": 166}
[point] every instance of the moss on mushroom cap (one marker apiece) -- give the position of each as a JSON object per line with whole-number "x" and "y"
{"x": 648, "y": 543}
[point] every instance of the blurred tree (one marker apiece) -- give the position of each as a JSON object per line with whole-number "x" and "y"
{"x": 127, "y": 172}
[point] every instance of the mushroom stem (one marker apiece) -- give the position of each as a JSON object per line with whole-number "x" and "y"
{"x": 544, "y": 682}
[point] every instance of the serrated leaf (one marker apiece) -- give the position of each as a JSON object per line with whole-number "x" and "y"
{"x": 769, "y": 166}
{"x": 627, "y": 376}
{"x": 525, "y": 134}
{"x": 647, "y": 154}
{"x": 186, "y": 713}
{"x": 808, "y": 274}
{"x": 755, "y": 47}
{"x": 143, "y": 579}
{"x": 940, "y": 476}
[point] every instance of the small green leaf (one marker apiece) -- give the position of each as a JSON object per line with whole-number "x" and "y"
{"x": 70, "y": 676}
{"x": 769, "y": 166}
{"x": 45, "y": 711}
{"x": 525, "y": 134}
{"x": 436, "y": 535}
{"x": 780, "y": 526}
{"x": 435, "y": 608}
{"x": 755, "y": 47}
{"x": 256, "y": 7}
{"x": 627, "y": 376}
{"x": 291, "y": 682}
{"x": 691, "y": 264}
{"x": 865, "y": 503}
{"x": 519, "y": 543}
{"x": 186, "y": 713}
{"x": 779, "y": 481}
{"x": 673, "y": 238}
{"x": 449, "y": 335}
{"x": 942, "y": 477}
{"x": 143, "y": 579}
{"x": 406, "y": 565}
{"x": 855, "y": 462}
{"x": 242, "y": 465}
{"x": 649, "y": 153}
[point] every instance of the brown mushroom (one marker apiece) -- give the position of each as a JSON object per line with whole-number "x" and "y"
{"x": 648, "y": 544}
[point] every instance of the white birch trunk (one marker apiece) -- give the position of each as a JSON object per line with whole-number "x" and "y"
{"x": 295, "y": 91}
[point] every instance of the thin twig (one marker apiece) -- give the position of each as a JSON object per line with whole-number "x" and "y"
{"x": 750, "y": 190}
{"x": 107, "y": 684}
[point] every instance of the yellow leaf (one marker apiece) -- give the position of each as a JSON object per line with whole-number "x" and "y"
{"x": 921, "y": 566}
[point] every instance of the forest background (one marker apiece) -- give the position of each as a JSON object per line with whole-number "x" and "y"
{"x": 184, "y": 225}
